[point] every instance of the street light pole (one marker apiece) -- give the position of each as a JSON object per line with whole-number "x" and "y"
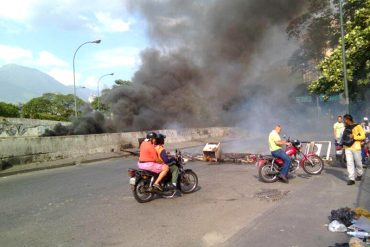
{"x": 346, "y": 96}
{"x": 98, "y": 108}
{"x": 74, "y": 71}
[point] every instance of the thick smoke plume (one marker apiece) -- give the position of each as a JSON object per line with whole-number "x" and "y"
{"x": 211, "y": 63}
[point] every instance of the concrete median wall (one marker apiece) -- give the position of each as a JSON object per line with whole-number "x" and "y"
{"x": 22, "y": 150}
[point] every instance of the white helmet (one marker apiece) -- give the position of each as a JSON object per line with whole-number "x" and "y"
{"x": 366, "y": 119}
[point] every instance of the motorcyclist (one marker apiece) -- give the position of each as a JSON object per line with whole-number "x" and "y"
{"x": 165, "y": 159}
{"x": 150, "y": 161}
{"x": 275, "y": 146}
{"x": 365, "y": 145}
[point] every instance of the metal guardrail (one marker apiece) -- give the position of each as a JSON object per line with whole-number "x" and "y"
{"x": 318, "y": 147}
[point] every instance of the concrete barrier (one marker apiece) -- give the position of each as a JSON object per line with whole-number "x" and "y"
{"x": 22, "y": 150}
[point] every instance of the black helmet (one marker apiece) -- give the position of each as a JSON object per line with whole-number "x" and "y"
{"x": 160, "y": 139}
{"x": 151, "y": 135}
{"x": 296, "y": 143}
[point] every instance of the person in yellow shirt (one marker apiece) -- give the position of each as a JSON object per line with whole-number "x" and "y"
{"x": 338, "y": 129}
{"x": 275, "y": 146}
{"x": 353, "y": 134}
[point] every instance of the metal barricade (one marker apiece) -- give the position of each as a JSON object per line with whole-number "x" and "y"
{"x": 320, "y": 148}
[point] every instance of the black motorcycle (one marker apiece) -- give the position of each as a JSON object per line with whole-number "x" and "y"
{"x": 141, "y": 182}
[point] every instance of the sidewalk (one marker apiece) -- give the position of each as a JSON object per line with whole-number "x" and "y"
{"x": 301, "y": 219}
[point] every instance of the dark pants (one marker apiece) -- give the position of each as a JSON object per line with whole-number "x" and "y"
{"x": 287, "y": 161}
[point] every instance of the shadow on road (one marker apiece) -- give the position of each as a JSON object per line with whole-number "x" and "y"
{"x": 339, "y": 173}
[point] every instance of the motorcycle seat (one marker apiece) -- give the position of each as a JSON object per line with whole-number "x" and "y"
{"x": 148, "y": 173}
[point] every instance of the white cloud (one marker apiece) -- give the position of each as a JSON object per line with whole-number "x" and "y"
{"x": 105, "y": 23}
{"x": 18, "y": 10}
{"x": 91, "y": 82}
{"x": 117, "y": 57}
{"x": 48, "y": 59}
{"x": 12, "y": 54}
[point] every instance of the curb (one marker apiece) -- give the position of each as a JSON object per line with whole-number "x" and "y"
{"x": 70, "y": 163}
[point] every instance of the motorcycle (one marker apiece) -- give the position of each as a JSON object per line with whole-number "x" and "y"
{"x": 270, "y": 167}
{"x": 340, "y": 155}
{"x": 141, "y": 182}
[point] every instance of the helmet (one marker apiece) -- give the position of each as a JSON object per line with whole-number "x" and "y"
{"x": 151, "y": 135}
{"x": 160, "y": 139}
{"x": 296, "y": 143}
{"x": 366, "y": 119}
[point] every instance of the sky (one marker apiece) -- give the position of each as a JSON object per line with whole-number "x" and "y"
{"x": 44, "y": 34}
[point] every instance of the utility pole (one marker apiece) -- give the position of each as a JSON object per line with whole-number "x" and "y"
{"x": 346, "y": 95}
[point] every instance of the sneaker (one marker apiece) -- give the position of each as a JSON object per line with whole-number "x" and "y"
{"x": 171, "y": 187}
{"x": 358, "y": 178}
{"x": 284, "y": 179}
{"x": 157, "y": 187}
{"x": 350, "y": 182}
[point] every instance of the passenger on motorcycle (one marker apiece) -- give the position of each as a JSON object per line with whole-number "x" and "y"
{"x": 165, "y": 159}
{"x": 275, "y": 145}
{"x": 150, "y": 161}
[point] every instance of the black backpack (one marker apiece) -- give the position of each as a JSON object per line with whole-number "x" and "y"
{"x": 346, "y": 139}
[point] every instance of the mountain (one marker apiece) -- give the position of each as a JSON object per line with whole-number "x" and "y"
{"x": 19, "y": 84}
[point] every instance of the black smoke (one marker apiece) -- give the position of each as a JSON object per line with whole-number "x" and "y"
{"x": 209, "y": 62}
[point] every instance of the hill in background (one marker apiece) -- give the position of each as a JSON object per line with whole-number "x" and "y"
{"x": 19, "y": 84}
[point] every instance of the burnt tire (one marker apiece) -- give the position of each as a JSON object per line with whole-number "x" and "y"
{"x": 188, "y": 182}
{"x": 314, "y": 165}
{"x": 141, "y": 193}
{"x": 267, "y": 173}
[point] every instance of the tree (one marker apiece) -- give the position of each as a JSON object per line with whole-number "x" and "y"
{"x": 317, "y": 30}
{"x": 357, "y": 44}
{"x": 52, "y": 106}
{"x": 8, "y": 110}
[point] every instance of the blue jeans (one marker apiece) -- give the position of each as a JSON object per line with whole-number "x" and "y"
{"x": 287, "y": 161}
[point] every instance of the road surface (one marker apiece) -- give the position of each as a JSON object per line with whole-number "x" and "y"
{"x": 91, "y": 205}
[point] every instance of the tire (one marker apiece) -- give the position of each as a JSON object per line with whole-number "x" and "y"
{"x": 265, "y": 176}
{"x": 313, "y": 165}
{"x": 188, "y": 182}
{"x": 141, "y": 196}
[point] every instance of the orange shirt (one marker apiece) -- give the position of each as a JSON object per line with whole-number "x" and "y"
{"x": 148, "y": 152}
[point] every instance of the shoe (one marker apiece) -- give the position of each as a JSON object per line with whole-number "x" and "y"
{"x": 358, "y": 178}
{"x": 157, "y": 187}
{"x": 350, "y": 182}
{"x": 284, "y": 179}
{"x": 171, "y": 187}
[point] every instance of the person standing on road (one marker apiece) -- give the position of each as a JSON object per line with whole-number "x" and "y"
{"x": 275, "y": 146}
{"x": 352, "y": 136}
{"x": 338, "y": 129}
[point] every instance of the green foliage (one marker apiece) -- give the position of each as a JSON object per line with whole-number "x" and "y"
{"x": 357, "y": 43}
{"x": 97, "y": 104}
{"x": 317, "y": 30}
{"x": 8, "y": 110}
{"x": 52, "y": 106}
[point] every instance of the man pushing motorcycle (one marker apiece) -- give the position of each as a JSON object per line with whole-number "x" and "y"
{"x": 150, "y": 161}
{"x": 275, "y": 146}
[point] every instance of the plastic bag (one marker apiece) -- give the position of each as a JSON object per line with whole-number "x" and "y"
{"x": 336, "y": 226}
{"x": 343, "y": 215}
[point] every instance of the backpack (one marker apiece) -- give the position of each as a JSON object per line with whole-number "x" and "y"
{"x": 346, "y": 140}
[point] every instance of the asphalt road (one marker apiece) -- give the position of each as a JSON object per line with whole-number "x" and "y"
{"x": 91, "y": 205}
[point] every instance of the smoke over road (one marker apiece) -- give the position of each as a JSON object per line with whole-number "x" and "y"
{"x": 211, "y": 63}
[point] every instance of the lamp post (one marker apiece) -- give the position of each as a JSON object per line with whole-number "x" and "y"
{"x": 98, "y": 108}
{"x": 74, "y": 71}
{"x": 346, "y": 96}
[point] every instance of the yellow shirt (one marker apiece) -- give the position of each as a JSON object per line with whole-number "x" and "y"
{"x": 338, "y": 128}
{"x": 273, "y": 138}
{"x": 358, "y": 135}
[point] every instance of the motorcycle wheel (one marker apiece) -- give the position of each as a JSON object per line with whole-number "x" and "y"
{"x": 313, "y": 165}
{"x": 188, "y": 182}
{"x": 141, "y": 193}
{"x": 265, "y": 175}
